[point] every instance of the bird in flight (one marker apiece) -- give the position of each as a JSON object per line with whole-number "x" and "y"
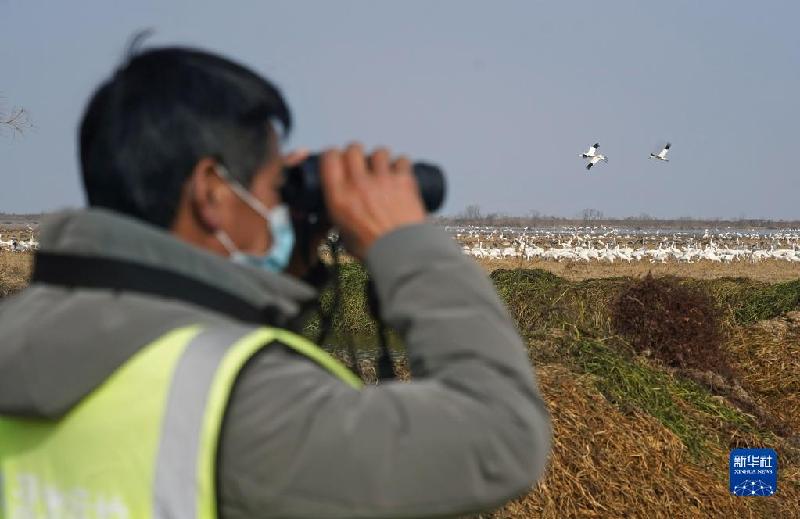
{"x": 595, "y": 159}
{"x": 593, "y": 156}
{"x": 662, "y": 155}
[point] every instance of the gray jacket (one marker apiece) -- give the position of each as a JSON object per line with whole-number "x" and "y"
{"x": 468, "y": 433}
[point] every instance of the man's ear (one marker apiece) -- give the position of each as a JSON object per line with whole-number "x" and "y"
{"x": 206, "y": 194}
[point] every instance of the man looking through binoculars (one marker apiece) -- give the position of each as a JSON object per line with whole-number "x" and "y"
{"x": 153, "y": 367}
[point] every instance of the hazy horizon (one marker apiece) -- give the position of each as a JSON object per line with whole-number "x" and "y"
{"x": 503, "y": 96}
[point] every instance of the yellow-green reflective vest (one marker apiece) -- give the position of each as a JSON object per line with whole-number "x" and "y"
{"x": 144, "y": 443}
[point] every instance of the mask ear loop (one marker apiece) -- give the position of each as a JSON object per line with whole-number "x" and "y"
{"x": 226, "y": 242}
{"x": 246, "y": 196}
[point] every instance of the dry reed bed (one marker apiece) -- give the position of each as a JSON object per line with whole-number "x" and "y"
{"x": 608, "y": 461}
{"x": 767, "y": 357}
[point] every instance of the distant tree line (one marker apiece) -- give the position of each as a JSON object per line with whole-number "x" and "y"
{"x": 22, "y": 215}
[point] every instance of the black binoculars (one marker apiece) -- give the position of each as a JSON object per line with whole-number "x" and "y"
{"x": 302, "y": 190}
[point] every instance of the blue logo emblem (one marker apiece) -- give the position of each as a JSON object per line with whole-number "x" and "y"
{"x": 753, "y": 472}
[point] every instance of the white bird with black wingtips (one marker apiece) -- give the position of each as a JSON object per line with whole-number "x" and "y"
{"x": 662, "y": 155}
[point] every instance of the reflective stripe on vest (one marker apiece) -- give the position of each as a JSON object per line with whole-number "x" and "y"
{"x": 144, "y": 443}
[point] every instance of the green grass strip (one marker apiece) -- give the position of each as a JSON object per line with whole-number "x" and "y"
{"x": 629, "y": 383}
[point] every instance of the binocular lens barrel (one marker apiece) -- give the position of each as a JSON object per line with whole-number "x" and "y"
{"x": 302, "y": 189}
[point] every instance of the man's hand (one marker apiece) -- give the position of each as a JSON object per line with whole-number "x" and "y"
{"x": 368, "y": 199}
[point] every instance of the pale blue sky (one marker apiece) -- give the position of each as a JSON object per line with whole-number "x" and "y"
{"x": 503, "y": 94}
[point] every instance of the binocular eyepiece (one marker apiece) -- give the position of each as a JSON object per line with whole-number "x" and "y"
{"x": 302, "y": 190}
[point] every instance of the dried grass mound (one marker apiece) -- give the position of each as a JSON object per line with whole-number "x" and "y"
{"x": 766, "y": 357}
{"x": 674, "y": 322}
{"x": 607, "y": 462}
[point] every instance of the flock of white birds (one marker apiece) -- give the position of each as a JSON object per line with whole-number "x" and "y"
{"x": 601, "y": 243}
{"x": 15, "y": 245}
{"x": 592, "y": 157}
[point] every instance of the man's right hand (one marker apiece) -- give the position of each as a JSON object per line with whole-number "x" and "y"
{"x": 367, "y": 199}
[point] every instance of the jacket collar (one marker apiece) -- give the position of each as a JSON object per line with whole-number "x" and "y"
{"x": 100, "y": 234}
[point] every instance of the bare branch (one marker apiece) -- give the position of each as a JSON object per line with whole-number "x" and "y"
{"x": 18, "y": 120}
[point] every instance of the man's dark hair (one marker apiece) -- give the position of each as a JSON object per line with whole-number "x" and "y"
{"x": 162, "y": 111}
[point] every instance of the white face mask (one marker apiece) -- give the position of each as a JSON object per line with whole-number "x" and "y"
{"x": 279, "y": 222}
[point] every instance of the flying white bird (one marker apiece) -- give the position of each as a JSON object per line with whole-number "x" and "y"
{"x": 590, "y": 152}
{"x": 662, "y": 155}
{"x": 595, "y": 159}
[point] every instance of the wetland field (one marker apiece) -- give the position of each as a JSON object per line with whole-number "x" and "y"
{"x": 652, "y": 370}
